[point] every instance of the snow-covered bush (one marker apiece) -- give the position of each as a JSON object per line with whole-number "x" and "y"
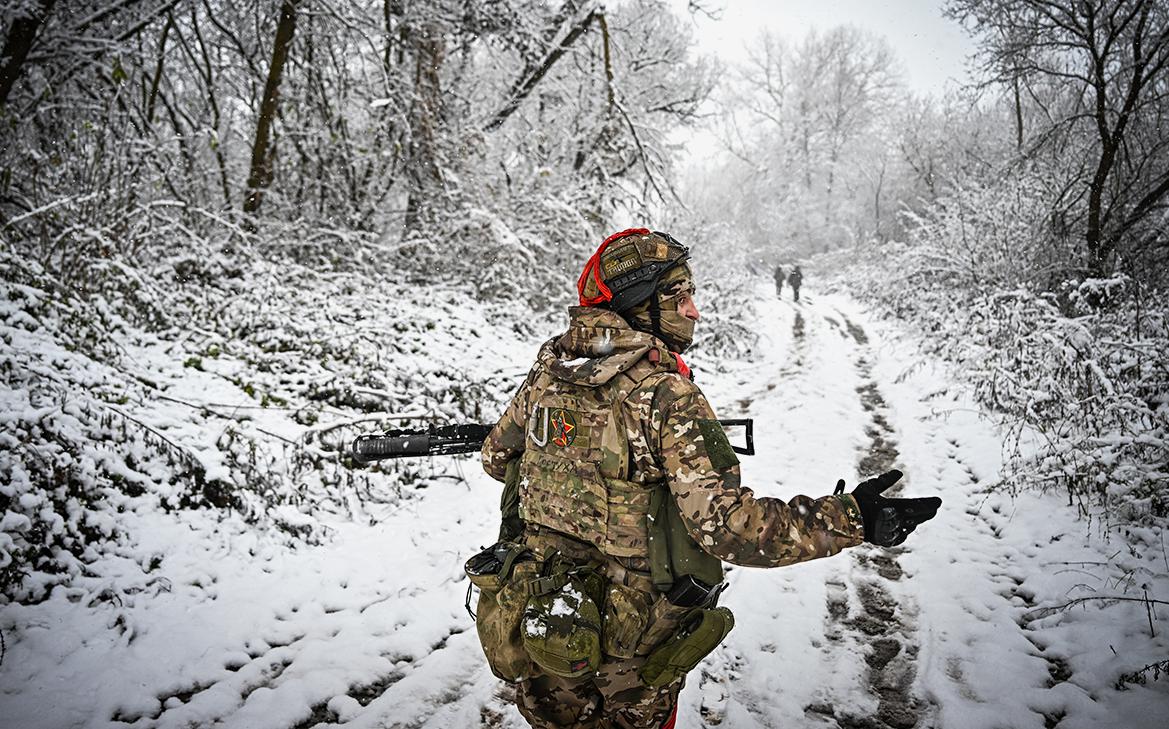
{"x": 222, "y": 373}
{"x": 71, "y": 452}
{"x": 1079, "y": 368}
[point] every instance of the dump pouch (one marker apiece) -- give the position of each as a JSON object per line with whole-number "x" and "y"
{"x": 561, "y": 627}
{"x": 502, "y": 573}
{"x": 672, "y": 552}
{"x": 699, "y": 633}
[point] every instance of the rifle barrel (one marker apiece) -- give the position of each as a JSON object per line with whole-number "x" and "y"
{"x": 468, "y": 438}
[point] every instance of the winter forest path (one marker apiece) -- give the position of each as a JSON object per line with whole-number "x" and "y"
{"x": 843, "y": 642}
{"x": 820, "y": 415}
{"x": 368, "y": 630}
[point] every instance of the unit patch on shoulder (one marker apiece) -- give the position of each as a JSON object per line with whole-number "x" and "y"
{"x": 722, "y": 456}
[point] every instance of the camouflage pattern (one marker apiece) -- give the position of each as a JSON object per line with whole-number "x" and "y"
{"x": 615, "y": 696}
{"x": 604, "y": 418}
{"x": 620, "y": 256}
{"x": 663, "y": 418}
{"x": 677, "y": 330}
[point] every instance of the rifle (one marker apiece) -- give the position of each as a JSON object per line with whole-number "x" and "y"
{"x": 468, "y": 438}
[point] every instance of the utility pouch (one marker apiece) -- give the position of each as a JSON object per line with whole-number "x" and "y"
{"x": 626, "y": 616}
{"x": 699, "y": 633}
{"x": 490, "y": 568}
{"x": 502, "y": 573}
{"x": 672, "y": 552}
{"x": 663, "y": 621}
{"x": 561, "y": 626}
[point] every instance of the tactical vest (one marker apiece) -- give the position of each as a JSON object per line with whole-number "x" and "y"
{"x": 574, "y": 477}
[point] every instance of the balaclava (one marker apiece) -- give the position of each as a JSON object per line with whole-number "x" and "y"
{"x": 676, "y": 330}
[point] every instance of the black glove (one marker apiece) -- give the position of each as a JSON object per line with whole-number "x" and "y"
{"x": 887, "y": 522}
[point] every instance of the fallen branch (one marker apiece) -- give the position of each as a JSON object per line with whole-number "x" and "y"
{"x": 1049, "y": 611}
{"x": 1138, "y": 676}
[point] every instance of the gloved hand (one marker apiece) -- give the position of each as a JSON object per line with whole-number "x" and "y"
{"x": 887, "y": 522}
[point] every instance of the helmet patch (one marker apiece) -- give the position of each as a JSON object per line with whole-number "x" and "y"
{"x": 620, "y": 260}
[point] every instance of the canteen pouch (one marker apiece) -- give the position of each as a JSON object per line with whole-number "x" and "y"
{"x": 561, "y": 627}
{"x": 502, "y": 572}
{"x": 627, "y": 613}
{"x": 699, "y": 633}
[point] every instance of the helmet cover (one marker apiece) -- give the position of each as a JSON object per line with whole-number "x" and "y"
{"x": 627, "y": 267}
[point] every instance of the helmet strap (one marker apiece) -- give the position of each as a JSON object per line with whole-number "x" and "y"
{"x": 655, "y": 315}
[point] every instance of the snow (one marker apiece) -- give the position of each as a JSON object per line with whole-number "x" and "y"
{"x": 201, "y": 618}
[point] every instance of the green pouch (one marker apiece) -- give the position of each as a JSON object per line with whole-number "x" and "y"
{"x": 561, "y": 628}
{"x": 510, "y": 524}
{"x": 699, "y": 633}
{"x": 672, "y": 551}
{"x": 503, "y": 572}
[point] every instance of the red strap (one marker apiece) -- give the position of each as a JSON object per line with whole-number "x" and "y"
{"x": 673, "y": 718}
{"x": 683, "y": 368}
{"x": 593, "y": 267}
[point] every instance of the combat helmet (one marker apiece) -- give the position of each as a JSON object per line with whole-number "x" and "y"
{"x": 627, "y": 270}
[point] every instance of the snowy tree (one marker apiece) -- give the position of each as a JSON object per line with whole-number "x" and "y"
{"x": 1110, "y": 59}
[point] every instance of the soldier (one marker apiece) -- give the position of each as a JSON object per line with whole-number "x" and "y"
{"x": 795, "y": 280}
{"x": 622, "y": 499}
{"x": 779, "y": 279}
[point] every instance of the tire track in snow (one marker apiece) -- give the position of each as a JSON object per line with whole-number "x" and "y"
{"x": 862, "y": 609}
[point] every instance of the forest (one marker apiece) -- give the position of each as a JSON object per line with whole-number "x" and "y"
{"x": 235, "y": 236}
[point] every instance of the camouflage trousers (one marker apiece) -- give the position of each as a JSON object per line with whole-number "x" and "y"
{"x": 614, "y": 697}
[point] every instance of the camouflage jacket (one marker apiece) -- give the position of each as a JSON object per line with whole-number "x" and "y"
{"x": 672, "y": 437}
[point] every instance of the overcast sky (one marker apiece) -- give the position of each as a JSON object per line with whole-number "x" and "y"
{"x": 932, "y": 49}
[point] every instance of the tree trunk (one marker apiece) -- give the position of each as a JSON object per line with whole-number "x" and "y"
{"x": 424, "y": 173}
{"x": 260, "y": 175}
{"x": 532, "y": 76}
{"x": 1018, "y": 116}
{"x": 21, "y": 35}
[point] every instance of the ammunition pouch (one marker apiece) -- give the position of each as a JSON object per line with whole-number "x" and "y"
{"x": 627, "y": 615}
{"x": 502, "y": 573}
{"x": 699, "y": 632}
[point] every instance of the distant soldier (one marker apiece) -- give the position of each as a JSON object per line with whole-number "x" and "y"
{"x": 779, "y": 279}
{"x": 795, "y": 280}
{"x": 622, "y": 499}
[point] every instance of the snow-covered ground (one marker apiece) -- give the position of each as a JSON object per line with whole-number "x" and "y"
{"x": 208, "y": 622}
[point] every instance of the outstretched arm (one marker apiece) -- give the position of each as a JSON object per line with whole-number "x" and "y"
{"x": 724, "y": 517}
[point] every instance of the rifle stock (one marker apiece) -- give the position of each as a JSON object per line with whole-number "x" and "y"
{"x": 467, "y": 438}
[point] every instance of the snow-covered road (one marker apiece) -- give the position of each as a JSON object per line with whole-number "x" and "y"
{"x": 212, "y": 625}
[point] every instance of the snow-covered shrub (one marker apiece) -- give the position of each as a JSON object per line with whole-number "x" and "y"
{"x": 223, "y": 373}
{"x": 1089, "y": 386}
{"x": 990, "y": 234}
{"x": 71, "y": 454}
{"x": 1079, "y": 366}
{"x": 720, "y": 334}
